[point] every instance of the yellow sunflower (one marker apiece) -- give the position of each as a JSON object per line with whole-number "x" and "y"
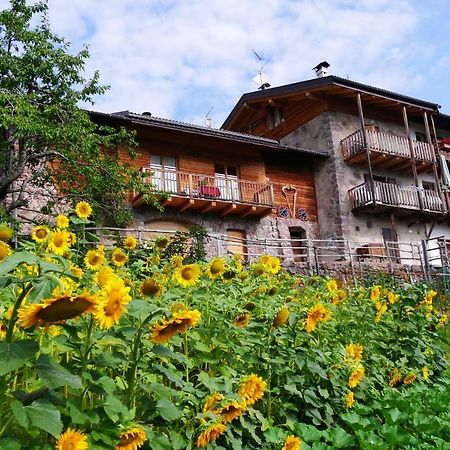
{"x": 395, "y": 377}
{"x": 252, "y": 389}
{"x": 242, "y": 320}
{"x": 62, "y": 221}
{"x": 40, "y": 233}
{"x": 6, "y": 232}
{"x": 94, "y": 259}
{"x": 375, "y": 293}
{"x": 272, "y": 263}
{"x": 187, "y": 275}
{"x": 83, "y": 210}
{"x": 164, "y": 330}
{"x": 316, "y": 314}
{"x": 132, "y": 439}
{"x": 425, "y": 373}
{"x": 5, "y": 250}
{"x": 130, "y": 242}
{"x": 210, "y": 433}
{"x": 354, "y": 351}
{"x": 76, "y": 271}
{"x": 150, "y": 287}
{"x": 409, "y": 378}
{"x": 119, "y": 258}
{"x": 4, "y": 322}
{"x": 72, "y": 440}
{"x": 211, "y": 401}
{"x": 292, "y": 443}
{"x": 55, "y": 310}
{"x": 176, "y": 261}
{"x": 350, "y": 399}
{"x": 332, "y": 285}
{"x": 281, "y": 318}
{"x": 111, "y": 304}
{"x": 161, "y": 243}
{"x": 215, "y": 268}
{"x": 355, "y": 377}
{"x": 104, "y": 275}
{"x": 59, "y": 242}
{"x": 230, "y": 411}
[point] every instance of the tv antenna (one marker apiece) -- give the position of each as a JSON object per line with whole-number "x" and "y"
{"x": 208, "y": 119}
{"x": 261, "y": 78}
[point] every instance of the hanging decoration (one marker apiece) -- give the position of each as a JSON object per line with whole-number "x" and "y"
{"x": 283, "y": 211}
{"x": 302, "y": 214}
{"x": 290, "y": 194}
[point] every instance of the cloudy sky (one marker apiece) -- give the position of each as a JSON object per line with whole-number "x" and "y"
{"x": 179, "y": 58}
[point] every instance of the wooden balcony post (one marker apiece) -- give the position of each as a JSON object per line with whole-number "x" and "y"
{"x": 411, "y": 154}
{"x": 435, "y": 162}
{"x": 364, "y": 132}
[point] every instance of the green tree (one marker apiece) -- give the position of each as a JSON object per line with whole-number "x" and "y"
{"x": 45, "y": 137}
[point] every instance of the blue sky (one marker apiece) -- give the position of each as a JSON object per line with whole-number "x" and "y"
{"x": 177, "y": 59}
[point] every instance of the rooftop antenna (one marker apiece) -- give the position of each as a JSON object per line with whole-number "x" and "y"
{"x": 261, "y": 78}
{"x": 208, "y": 119}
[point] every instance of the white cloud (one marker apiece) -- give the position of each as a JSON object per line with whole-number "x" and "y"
{"x": 177, "y": 58}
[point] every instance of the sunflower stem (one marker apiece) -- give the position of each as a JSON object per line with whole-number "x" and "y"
{"x": 85, "y": 355}
{"x": 269, "y": 377}
{"x": 186, "y": 353}
{"x": 132, "y": 370}
{"x": 13, "y": 318}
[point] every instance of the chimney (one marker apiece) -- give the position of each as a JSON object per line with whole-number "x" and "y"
{"x": 322, "y": 69}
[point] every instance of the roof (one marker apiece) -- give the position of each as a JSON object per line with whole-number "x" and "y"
{"x": 158, "y": 122}
{"x": 324, "y": 82}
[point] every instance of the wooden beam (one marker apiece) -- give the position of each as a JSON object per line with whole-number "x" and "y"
{"x": 247, "y": 211}
{"x": 208, "y": 207}
{"x": 187, "y": 204}
{"x": 166, "y": 201}
{"x": 228, "y": 209}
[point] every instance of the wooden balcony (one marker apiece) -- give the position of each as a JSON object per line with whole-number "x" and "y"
{"x": 387, "y": 151}
{"x": 402, "y": 200}
{"x": 204, "y": 193}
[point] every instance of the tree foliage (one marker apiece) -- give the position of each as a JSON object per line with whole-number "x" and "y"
{"x": 45, "y": 137}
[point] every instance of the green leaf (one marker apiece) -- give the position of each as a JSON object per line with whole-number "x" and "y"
{"x": 43, "y": 289}
{"x": 340, "y": 438}
{"x": 115, "y": 409}
{"x": 168, "y": 410}
{"x": 10, "y": 444}
{"x": 309, "y": 433}
{"x": 16, "y": 354}
{"x": 140, "y": 309}
{"x": 11, "y": 262}
{"x": 41, "y": 414}
{"x": 162, "y": 351}
{"x": 393, "y": 415}
{"x": 54, "y": 375}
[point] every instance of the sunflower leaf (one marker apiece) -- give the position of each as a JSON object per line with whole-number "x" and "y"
{"x": 168, "y": 410}
{"x": 12, "y": 262}
{"x": 54, "y": 375}
{"x": 16, "y": 354}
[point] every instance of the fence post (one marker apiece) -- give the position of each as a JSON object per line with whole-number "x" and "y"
{"x": 316, "y": 261}
{"x": 349, "y": 249}
{"x": 426, "y": 262}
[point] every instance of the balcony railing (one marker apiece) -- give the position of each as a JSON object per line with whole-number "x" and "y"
{"x": 216, "y": 188}
{"x": 385, "y": 143}
{"x": 395, "y": 196}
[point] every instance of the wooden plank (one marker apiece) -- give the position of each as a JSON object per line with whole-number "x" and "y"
{"x": 248, "y": 211}
{"x": 208, "y": 207}
{"x": 228, "y": 209}
{"x": 187, "y": 204}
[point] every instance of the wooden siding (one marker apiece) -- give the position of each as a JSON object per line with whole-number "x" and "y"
{"x": 282, "y": 170}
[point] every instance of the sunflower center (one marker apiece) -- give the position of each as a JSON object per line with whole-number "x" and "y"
{"x": 119, "y": 257}
{"x": 94, "y": 259}
{"x": 216, "y": 267}
{"x": 187, "y": 273}
{"x": 150, "y": 287}
{"x": 58, "y": 241}
{"x": 114, "y": 303}
{"x": 41, "y": 233}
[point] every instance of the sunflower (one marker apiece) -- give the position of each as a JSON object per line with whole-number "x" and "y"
{"x": 230, "y": 411}
{"x": 112, "y": 302}
{"x": 40, "y": 233}
{"x": 316, "y": 314}
{"x": 395, "y": 377}
{"x": 425, "y": 373}
{"x": 161, "y": 243}
{"x": 130, "y": 242}
{"x": 211, "y": 401}
{"x": 281, "y": 317}
{"x": 72, "y": 440}
{"x": 59, "y": 242}
{"x": 242, "y": 320}
{"x": 292, "y": 443}
{"x": 76, "y": 271}
{"x": 119, "y": 258}
{"x": 332, "y": 285}
{"x": 392, "y": 297}
{"x": 215, "y": 268}
{"x": 6, "y": 232}
{"x": 210, "y": 433}
{"x": 381, "y": 308}
{"x": 375, "y": 293}
{"x": 410, "y": 378}
{"x": 350, "y": 399}
{"x": 83, "y": 210}
{"x": 94, "y": 259}
{"x": 272, "y": 263}
{"x": 3, "y": 322}
{"x": 354, "y": 351}
{"x": 187, "y": 275}
{"x": 176, "y": 261}
{"x": 132, "y": 439}
{"x": 55, "y": 310}
{"x": 164, "y": 330}
{"x": 252, "y": 389}
{"x": 355, "y": 377}
{"x": 5, "y": 250}
{"x": 339, "y": 296}
{"x": 150, "y": 287}
{"x": 104, "y": 275}
{"x": 62, "y": 221}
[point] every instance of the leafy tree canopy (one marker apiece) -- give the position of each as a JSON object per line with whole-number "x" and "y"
{"x": 45, "y": 137}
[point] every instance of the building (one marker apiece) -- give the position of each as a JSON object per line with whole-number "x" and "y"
{"x": 244, "y": 190}
{"x": 382, "y": 181}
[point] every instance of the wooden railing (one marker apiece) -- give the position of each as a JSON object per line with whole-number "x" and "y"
{"x": 385, "y": 143}
{"x": 215, "y": 188}
{"x": 407, "y": 197}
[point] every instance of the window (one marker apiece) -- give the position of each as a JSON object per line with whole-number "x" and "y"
{"x": 380, "y": 179}
{"x": 236, "y": 243}
{"x": 276, "y": 116}
{"x": 298, "y": 236}
{"x": 421, "y": 137}
{"x": 164, "y": 175}
{"x": 429, "y": 186}
{"x": 227, "y": 181}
